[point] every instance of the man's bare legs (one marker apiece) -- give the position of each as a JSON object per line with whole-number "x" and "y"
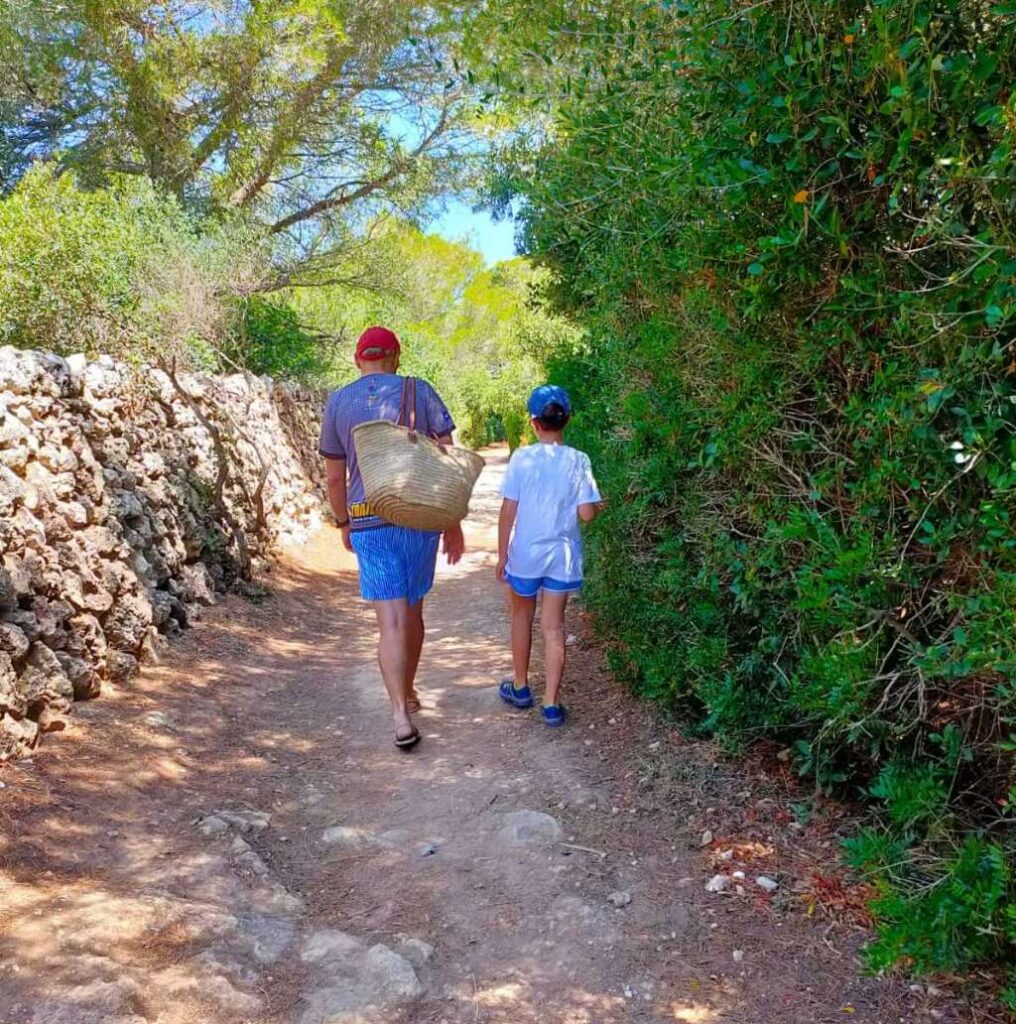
{"x": 552, "y": 621}
{"x": 414, "y": 645}
{"x": 523, "y": 611}
{"x": 397, "y": 622}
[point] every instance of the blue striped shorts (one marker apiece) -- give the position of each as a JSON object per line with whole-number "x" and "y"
{"x": 395, "y": 562}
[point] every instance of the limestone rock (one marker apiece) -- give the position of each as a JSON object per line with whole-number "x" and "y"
{"x": 344, "y": 835}
{"x": 44, "y": 681}
{"x": 84, "y": 678}
{"x": 246, "y": 822}
{"x": 522, "y": 828}
{"x": 12, "y": 699}
{"x": 353, "y": 978}
{"x": 416, "y": 951}
{"x": 17, "y": 736}
{"x": 13, "y": 641}
{"x": 127, "y": 624}
{"x": 8, "y": 591}
{"x": 121, "y": 667}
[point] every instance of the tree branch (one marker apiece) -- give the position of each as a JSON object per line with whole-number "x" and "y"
{"x": 336, "y": 202}
{"x": 302, "y": 102}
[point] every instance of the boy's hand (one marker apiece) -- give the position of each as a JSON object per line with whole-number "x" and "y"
{"x": 502, "y": 567}
{"x": 454, "y": 544}
{"x": 347, "y": 542}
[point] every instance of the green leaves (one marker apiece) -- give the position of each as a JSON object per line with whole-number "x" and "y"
{"x": 799, "y": 298}
{"x": 301, "y": 113}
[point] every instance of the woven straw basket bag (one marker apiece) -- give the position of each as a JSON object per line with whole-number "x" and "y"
{"x": 410, "y": 479}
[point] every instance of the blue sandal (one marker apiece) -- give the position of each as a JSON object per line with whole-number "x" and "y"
{"x": 517, "y": 698}
{"x": 553, "y": 715}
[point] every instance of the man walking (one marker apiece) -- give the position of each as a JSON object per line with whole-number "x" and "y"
{"x": 396, "y": 563}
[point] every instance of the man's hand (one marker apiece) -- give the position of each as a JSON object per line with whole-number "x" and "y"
{"x": 454, "y": 543}
{"x": 502, "y": 568}
{"x": 347, "y": 540}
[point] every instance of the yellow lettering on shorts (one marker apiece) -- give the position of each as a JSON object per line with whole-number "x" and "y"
{"x": 360, "y": 510}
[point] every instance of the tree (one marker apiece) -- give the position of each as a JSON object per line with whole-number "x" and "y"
{"x": 310, "y": 115}
{"x": 479, "y": 334}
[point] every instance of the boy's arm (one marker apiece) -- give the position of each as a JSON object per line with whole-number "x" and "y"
{"x": 590, "y": 503}
{"x": 589, "y": 510}
{"x": 505, "y": 522}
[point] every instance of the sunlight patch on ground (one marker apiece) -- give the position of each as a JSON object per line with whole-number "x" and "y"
{"x": 685, "y": 1013}
{"x": 498, "y": 995}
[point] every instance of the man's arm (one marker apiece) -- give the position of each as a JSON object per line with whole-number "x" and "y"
{"x": 505, "y": 522}
{"x": 335, "y": 474}
{"x": 454, "y": 545}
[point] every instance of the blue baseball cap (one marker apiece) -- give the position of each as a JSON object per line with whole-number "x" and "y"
{"x": 548, "y": 394}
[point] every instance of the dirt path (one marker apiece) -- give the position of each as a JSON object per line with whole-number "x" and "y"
{"x": 235, "y": 839}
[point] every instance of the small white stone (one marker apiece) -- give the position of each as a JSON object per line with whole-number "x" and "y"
{"x": 718, "y": 883}
{"x": 738, "y": 956}
{"x": 769, "y": 884}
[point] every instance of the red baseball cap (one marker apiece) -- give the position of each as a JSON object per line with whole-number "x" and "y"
{"x": 377, "y": 343}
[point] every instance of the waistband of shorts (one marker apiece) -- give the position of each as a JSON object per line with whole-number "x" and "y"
{"x": 363, "y": 517}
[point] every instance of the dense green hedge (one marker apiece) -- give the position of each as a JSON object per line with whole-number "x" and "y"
{"x": 789, "y": 229}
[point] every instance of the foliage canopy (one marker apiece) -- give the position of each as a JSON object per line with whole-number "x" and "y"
{"x": 788, "y": 228}
{"x": 309, "y": 115}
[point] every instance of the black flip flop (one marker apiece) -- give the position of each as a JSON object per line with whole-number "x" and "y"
{"x": 408, "y": 742}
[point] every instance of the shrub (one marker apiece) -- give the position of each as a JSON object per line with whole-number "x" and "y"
{"x": 120, "y": 269}
{"x": 787, "y": 230}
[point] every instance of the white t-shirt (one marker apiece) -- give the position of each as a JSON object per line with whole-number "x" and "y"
{"x": 549, "y": 481}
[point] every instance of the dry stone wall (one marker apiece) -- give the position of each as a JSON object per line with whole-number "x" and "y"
{"x": 128, "y": 498}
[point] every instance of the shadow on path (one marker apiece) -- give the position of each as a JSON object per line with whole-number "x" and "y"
{"x": 234, "y": 838}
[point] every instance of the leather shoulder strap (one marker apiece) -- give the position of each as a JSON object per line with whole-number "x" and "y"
{"x": 407, "y": 407}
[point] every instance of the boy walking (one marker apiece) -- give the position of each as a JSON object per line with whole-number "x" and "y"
{"x": 547, "y": 489}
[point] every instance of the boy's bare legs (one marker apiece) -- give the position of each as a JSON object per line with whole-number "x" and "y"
{"x": 393, "y": 650}
{"x": 523, "y": 611}
{"x": 552, "y": 620}
{"x": 414, "y": 645}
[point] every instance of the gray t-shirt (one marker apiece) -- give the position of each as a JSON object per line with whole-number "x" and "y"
{"x": 375, "y": 396}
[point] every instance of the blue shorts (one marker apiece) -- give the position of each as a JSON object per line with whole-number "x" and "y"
{"x": 526, "y": 587}
{"x": 395, "y": 562}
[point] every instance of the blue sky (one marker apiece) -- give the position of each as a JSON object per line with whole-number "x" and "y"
{"x": 459, "y": 223}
